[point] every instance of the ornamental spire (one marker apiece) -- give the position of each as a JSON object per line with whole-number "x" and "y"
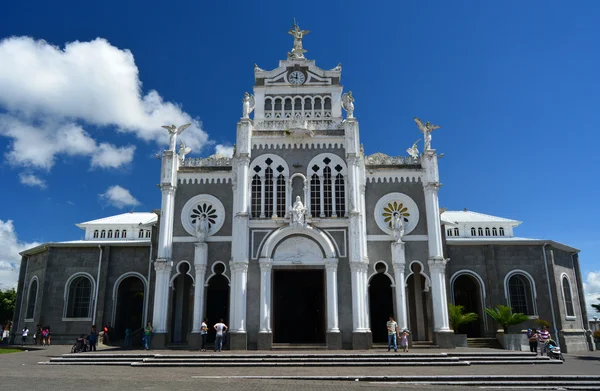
{"x": 298, "y": 51}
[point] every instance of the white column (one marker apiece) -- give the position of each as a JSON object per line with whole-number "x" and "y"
{"x": 161, "y": 295}
{"x": 322, "y": 183}
{"x": 266, "y": 265}
{"x": 437, "y": 269}
{"x": 358, "y": 272}
{"x": 288, "y": 195}
{"x": 262, "y": 196}
{"x": 200, "y": 258}
{"x": 333, "y": 212}
{"x": 239, "y": 273}
{"x": 307, "y": 200}
{"x": 275, "y": 181}
{"x": 331, "y": 265}
{"x": 399, "y": 262}
{"x": 363, "y": 310}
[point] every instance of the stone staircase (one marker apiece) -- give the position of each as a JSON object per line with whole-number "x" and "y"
{"x": 486, "y": 343}
{"x": 211, "y": 359}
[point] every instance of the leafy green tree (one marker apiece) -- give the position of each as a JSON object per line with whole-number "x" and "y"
{"x": 596, "y": 306}
{"x": 8, "y": 298}
{"x": 504, "y": 316}
{"x": 457, "y": 316}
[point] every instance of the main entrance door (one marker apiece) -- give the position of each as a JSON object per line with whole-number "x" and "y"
{"x": 299, "y": 306}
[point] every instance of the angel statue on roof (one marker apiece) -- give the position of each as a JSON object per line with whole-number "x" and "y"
{"x": 348, "y": 104}
{"x": 426, "y": 128}
{"x": 248, "y": 104}
{"x": 175, "y": 131}
{"x": 298, "y": 51}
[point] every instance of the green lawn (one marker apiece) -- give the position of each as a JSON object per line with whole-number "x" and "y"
{"x": 4, "y": 351}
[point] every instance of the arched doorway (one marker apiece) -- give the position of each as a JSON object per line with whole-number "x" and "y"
{"x": 381, "y": 303}
{"x": 130, "y": 306}
{"x": 467, "y": 292}
{"x": 182, "y": 304}
{"x": 217, "y": 299}
{"x": 418, "y": 297}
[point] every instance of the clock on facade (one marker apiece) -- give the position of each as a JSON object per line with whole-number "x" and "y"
{"x": 296, "y": 77}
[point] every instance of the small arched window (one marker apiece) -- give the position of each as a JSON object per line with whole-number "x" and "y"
{"x": 268, "y": 192}
{"x": 110, "y": 233}
{"x": 256, "y": 196}
{"x": 568, "y": 297}
{"x": 102, "y": 234}
{"x": 501, "y": 231}
{"x": 268, "y": 104}
{"x": 520, "y": 294}
{"x": 494, "y": 232}
{"x": 141, "y": 233}
{"x": 79, "y": 298}
{"x": 449, "y": 232}
{"x": 487, "y": 231}
{"x": 288, "y": 104}
{"x": 297, "y": 104}
{"x": 473, "y": 233}
{"x": 123, "y": 234}
{"x": 480, "y": 231}
{"x": 315, "y": 195}
{"x": 307, "y": 104}
{"x": 32, "y": 298}
{"x": 318, "y": 105}
{"x": 456, "y": 232}
{"x": 96, "y": 233}
{"x": 117, "y": 233}
{"x": 148, "y": 233}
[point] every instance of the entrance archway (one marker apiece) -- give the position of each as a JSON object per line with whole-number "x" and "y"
{"x": 467, "y": 293}
{"x": 381, "y": 303}
{"x": 182, "y": 304}
{"x": 129, "y": 313}
{"x": 217, "y": 300}
{"x": 418, "y": 297}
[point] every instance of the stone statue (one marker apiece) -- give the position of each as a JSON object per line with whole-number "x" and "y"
{"x": 348, "y": 104}
{"x": 183, "y": 150}
{"x": 298, "y": 51}
{"x": 414, "y": 150}
{"x": 337, "y": 68}
{"x": 202, "y": 228}
{"x": 398, "y": 226}
{"x": 298, "y": 213}
{"x": 248, "y": 104}
{"x": 426, "y": 129}
{"x": 173, "y": 133}
{"x": 257, "y": 68}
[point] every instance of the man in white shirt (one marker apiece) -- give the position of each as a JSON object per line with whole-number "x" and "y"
{"x": 392, "y": 330}
{"x": 24, "y": 336}
{"x": 221, "y": 328}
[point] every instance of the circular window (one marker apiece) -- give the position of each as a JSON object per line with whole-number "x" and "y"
{"x": 203, "y": 205}
{"x": 380, "y": 267}
{"x": 396, "y": 203}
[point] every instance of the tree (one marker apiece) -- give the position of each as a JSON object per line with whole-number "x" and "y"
{"x": 458, "y": 317}
{"x": 596, "y": 306}
{"x": 8, "y": 298}
{"x": 504, "y": 316}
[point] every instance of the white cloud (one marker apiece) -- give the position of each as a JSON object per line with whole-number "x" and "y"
{"x": 32, "y": 180}
{"x": 224, "y": 150}
{"x": 51, "y": 93}
{"x": 10, "y": 260}
{"x": 119, "y": 197}
{"x": 591, "y": 288}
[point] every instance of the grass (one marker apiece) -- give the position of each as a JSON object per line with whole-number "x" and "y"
{"x": 9, "y": 350}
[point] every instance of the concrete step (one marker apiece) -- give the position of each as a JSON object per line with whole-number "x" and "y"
{"x": 298, "y": 364}
{"x": 291, "y": 346}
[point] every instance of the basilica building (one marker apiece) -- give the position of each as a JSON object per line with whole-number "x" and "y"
{"x": 300, "y": 239}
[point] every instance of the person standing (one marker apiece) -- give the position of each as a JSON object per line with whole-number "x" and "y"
{"x": 105, "y": 339}
{"x": 24, "y": 336}
{"x": 203, "y": 334}
{"x": 128, "y": 339}
{"x": 392, "y": 330}
{"x": 6, "y": 332}
{"x": 532, "y": 337}
{"x": 404, "y": 341}
{"x": 148, "y": 335}
{"x": 220, "y": 328}
{"x": 93, "y": 338}
{"x": 542, "y": 337}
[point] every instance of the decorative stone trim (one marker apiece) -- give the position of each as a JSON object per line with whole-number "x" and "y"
{"x": 285, "y": 144}
{"x": 185, "y": 178}
{"x": 392, "y": 177}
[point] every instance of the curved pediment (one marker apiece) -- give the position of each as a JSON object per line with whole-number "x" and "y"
{"x": 298, "y": 250}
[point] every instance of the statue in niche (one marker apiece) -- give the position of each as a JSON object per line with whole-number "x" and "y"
{"x": 183, "y": 150}
{"x": 173, "y": 133}
{"x": 202, "y": 228}
{"x": 298, "y": 51}
{"x": 426, "y": 129}
{"x": 398, "y": 226}
{"x": 348, "y": 104}
{"x": 248, "y": 104}
{"x": 298, "y": 213}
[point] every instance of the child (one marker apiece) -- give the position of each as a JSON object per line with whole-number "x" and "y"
{"x": 404, "y": 341}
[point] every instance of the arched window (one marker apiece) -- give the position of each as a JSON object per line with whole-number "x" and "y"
{"x": 340, "y": 196}
{"x": 110, "y": 233}
{"x": 256, "y": 199}
{"x": 288, "y": 104}
{"x": 141, "y": 234}
{"x": 501, "y": 231}
{"x": 473, "y": 233}
{"x": 123, "y": 234}
{"x": 487, "y": 231}
{"x": 269, "y": 190}
{"x": 456, "y": 231}
{"x": 32, "y": 298}
{"x": 79, "y": 298}
{"x": 307, "y": 104}
{"x": 148, "y": 233}
{"x": 327, "y": 105}
{"x": 494, "y": 232}
{"x": 102, "y": 234}
{"x": 327, "y": 196}
{"x": 297, "y": 105}
{"x": 96, "y": 234}
{"x": 520, "y": 294}
{"x": 117, "y": 233}
{"x": 449, "y": 232}
{"x": 568, "y": 297}
{"x": 280, "y": 196}
{"x": 268, "y": 104}
{"x": 318, "y": 105}
{"x": 480, "y": 231}
{"x": 315, "y": 195}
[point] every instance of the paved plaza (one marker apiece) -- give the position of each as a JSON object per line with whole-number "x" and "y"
{"x": 21, "y": 371}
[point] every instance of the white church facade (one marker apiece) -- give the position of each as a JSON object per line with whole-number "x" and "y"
{"x": 299, "y": 238}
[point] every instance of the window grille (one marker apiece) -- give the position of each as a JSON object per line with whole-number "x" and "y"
{"x": 80, "y": 294}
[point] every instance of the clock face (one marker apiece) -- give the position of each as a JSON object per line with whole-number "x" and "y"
{"x": 297, "y": 78}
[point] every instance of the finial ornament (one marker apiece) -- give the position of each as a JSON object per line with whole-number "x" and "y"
{"x": 348, "y": 104}
{"x": 414, "y": 150}
{"x": 426, "y": 129}
{"x": 298, "y": 51}
{"x": 248, "y": 104}
{"x": 175, "y": 131}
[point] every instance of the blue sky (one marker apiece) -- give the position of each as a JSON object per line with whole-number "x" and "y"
{"x": 513, "y": 84}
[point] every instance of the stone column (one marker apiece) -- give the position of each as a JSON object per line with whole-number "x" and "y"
{"x": 161, "y": 296}
{"x": 265, "y": 335}
{"x": 334, "y": 337}
{"x": 200, "y": 261}
{"x": 399, "y": 263}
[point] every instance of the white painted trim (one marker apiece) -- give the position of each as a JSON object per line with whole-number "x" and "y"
{"x": 562, "y": 290}
{"x": 393, "y": 176}
{"x": 341, "y": 254}
{"x": 116, "y": 292}
{"x": 482, "y": 290}
{"x": 256, "y": 250}
{"x": 34, "y": 278}
{"x": 178, "y": 273}
{"x": 532, "y": 286}
{"x": 393, "y": 283}
{"x": 214, "y": 177}
{"x": 282, "y": 143}
{"x": 390, "y": 238}
{"x": 193, "y": 239}
{"x": 213, "y": 273}
{"x": 66, "y": 294}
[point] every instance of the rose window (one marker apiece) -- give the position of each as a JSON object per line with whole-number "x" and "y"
{"x": 206, "y": 210}
{"x": 392, "y": 209}
{"x": 393, "y": 204}
{"x": 203, "y": 206}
